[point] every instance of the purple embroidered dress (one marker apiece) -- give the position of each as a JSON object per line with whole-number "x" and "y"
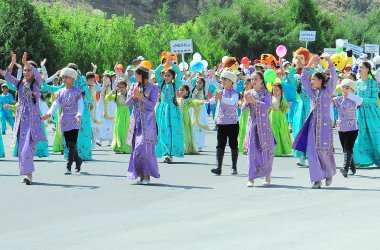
{"x": 27, "y": 131}
{"x": 226, "y": 113}
{"x": 316, "y": 137}
{"x": 68, "y": 99}
{"x": 142, "y": 134}
{"x": 346, "y": 113}
{"x": 260, "y": 139}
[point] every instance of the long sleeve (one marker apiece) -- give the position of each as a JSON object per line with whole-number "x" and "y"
{"x": 87, "y": 94}
{"x": 305, "y": 81}
{"x": 233, "y": 100}
{"x": 111, "y": 96}
{"x": 157, "y": 73}
{"x": 46, "y": 77}
{"x": 291, "y": 75}
{"x": 51, "y": 88}
{"x": 129, "y": 99}
{"x": 331, "y": 85}
{"x": 19, "y": 74}
{"x": 178, "y": 77}
{"x": 80, "y": 106}
{"x": 266, "y": 103}
{"x": 357, "y": 99}
{"x": 196, "y": 103}
{"x": 8, "y": 77}
{"x": 150, "y": 102}
{"x": 54, "y": 107}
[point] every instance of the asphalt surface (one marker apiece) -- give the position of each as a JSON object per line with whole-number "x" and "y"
{"x": 187, "y": 208}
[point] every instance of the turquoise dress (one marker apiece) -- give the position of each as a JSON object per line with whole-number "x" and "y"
{"x": 169, "y": 118}
{"x": 84, "y": 142}
{"x": 367, "y": 145}
{"x": 301, "y": 112}
{"x": 2, "y": 152}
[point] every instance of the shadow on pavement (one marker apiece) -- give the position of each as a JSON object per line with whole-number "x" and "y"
{"x": 280, "y": 186}
{"x": 103, "y": 175}
{"x": 368, "y": 177}
{"x": 9, "y": 175}
{"x": 64, "y": 185}
{"x": 350, "y": 189}
{"x": 174, "y": 186}
{"x": 191, "y": 163}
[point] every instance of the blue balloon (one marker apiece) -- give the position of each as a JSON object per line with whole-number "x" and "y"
{"x": 198, "y": 66}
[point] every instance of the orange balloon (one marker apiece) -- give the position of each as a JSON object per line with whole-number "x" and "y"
{"x": 146, "y": 64}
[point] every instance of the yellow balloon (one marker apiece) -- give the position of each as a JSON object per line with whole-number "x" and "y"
{"x": 269, "y": 86}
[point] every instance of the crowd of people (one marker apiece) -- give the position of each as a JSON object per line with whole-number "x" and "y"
{"x": 164, "y": 113}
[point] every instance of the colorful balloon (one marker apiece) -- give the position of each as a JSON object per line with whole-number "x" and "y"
{"x": 197, "y": 57}
{"x": 205, "y": 63}
{"x": 183, "y": 66}
{"x": 196, "y": 65}
{"x": 245, "y": 60}
{"x": 270, "y": 76}
{"x": 281, "y": 51}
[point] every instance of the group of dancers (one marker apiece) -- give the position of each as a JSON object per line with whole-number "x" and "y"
{"x": 164, "y": 113}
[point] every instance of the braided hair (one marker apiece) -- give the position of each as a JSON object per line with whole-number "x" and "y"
{"x": 203, "y": 87}
{"x": 172, "y": 72}
{"x": 144, "y": 77}
{"x": 31, "y": 86}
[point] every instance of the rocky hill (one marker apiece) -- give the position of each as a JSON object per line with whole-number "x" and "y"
{"x": 182, "y": 10}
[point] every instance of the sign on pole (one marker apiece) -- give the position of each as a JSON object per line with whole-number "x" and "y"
{"x": 181, "y": 46}
{"x": 307, "y": 36}
{"x": 372, "y": 48}
{"x": 355, "y": 49}
{"x": 330, "y": 51}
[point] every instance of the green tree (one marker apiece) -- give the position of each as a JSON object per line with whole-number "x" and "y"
{"x": 21, "y": 30}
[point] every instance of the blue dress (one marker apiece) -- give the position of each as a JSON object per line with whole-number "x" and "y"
{"x": 2, "y": 152}
{"x": 367, "y": 145}
{"x": 84, "y": 142}
{"x": 301, "y": 111}
{"x": 169, "y": 118}
{"x": 290, "y": 94}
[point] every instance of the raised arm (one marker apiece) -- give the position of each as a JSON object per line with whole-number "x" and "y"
{"x": 157, "y": 73}
{"x": 178, "y": 77}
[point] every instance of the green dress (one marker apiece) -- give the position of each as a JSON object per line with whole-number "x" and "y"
{"x": 280, "y": 128}
{"x": 243, "y": 121}
{"x": 120, "y": 132}
{"x": 185, "y": 105}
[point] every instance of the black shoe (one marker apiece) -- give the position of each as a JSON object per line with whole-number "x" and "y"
{"x": 234, "y": 171}
{"x": 344, "y": 172}
{"x": 3, "y": 132}
{"x": 217, "y": 171}
{"x": 234, "y": 156}
{"x": 78, "y": 166}
{"x": 353, "y": 170}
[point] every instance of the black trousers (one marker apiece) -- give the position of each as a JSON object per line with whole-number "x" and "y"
{"x": 71, "y": 136}
{"x": 230, "y": 131}
{"x": 347, "y": 140}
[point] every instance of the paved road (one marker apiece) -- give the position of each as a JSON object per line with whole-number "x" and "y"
{"x": 187, "y": 208}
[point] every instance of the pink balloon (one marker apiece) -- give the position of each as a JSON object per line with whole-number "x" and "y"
{"x": 281, "y": 51}
{"x": 245, "y": 60}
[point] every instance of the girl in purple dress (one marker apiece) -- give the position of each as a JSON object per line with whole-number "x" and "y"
{"x": 71, "y": 100}
{"x": 142, "y": 134}
{"x": 315, "y": 137}
{"x": 27, "y": 131}
{"x": 260, "y": 141}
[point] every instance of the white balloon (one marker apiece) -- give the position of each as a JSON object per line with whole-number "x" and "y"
{"x": 183, "y": 65}
{"x": 339, "y": 43}
{"x": 205, "y": 63}
{"x": 224, "y": 58}
{"x": 376, "y": 59}
{"x": 197, "y": 57}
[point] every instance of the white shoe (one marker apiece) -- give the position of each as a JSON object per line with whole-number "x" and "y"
{"x": 317, "y": 184}
{"x": 27, "y": 180}
{"x": 301, "y": 162}
{"x": 250, "y": 183}
{"x": 200, "y": 149}
{"x": 139, "y": 182}
{"x": 266, "y": 181}
{"x": 145, "y": 181}
{"x": 328, "y": 181}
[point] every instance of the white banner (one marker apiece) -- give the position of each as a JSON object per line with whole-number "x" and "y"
{"x": 355, "y": 49}
{"x": 330, "y": 51}
{"x": 308, "y": 36}
{"x": 181, "y": 46}
{"x": 372, "y": 48}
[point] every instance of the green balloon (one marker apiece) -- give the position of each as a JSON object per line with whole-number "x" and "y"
{"x": 270, "y": 75}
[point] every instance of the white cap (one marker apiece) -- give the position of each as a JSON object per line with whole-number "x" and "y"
{"x": 229, "y": 75}
{"x": 350, "y": 83}
{"x": 69, "y": 72}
